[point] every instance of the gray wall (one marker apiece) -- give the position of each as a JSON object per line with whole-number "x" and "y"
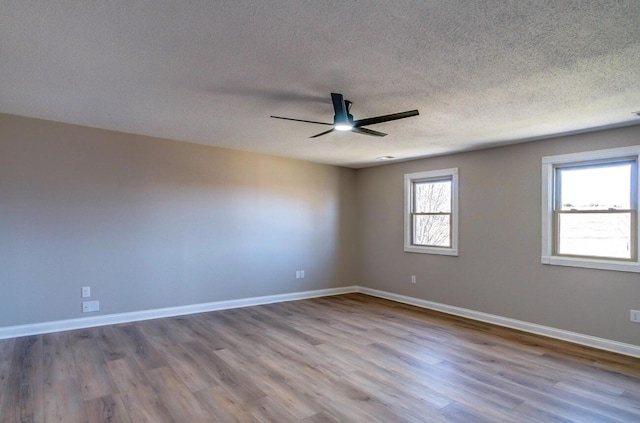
{"x": 151, "y": 223}
{"x": 498, "y": 270}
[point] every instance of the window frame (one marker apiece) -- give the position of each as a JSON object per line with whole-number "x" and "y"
{"x": 550, "y": 164}
{"x": 430, "y": 176}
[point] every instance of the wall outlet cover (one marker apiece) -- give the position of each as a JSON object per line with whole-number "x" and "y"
{"x": 89, "y": 306}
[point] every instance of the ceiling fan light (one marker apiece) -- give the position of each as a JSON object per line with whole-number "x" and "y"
{"x": 343, "y": 127}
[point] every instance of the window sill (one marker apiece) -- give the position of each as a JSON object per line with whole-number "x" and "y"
{"x": 620, "y": 266}
{"x": 431, "y": 250}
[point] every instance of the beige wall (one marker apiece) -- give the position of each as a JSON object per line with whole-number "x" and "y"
{"x": 151, "y": 223}
{"x": 498, "y": 270}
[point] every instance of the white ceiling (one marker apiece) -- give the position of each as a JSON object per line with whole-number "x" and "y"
{"x": 481, "y": 73}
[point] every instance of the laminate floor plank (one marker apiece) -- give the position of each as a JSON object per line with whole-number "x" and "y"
{"x": 143, "y": 405}
{"x": 224, "y": 407}
{"x": 235, "y": 380}
{"x": 457, "y": 412}
{"x": 196, "y": 330}
{"x": 63, "y": 402}
{"x": 271, "y": 382}
{"x": 344, "y": 358}
{"x": 187, "y": 368}
{"x": 322, "y": 417}
{"x": 107, "y": 409}
{"x": 6, "y": 354}
{"x": 91, "y": 367}
{"x": 221, "y": 334}
{"x": 164, "y": 332}
{"x": 333, "y": 390}
{"x": 23, "y": 395}
{"x": 177, "y": 398}
{"x": 139, "y": 397}
{"x": 319, "y": 389}
{"x": 127, "y": 374}
{"x": 301, "y": 356}
{"x": 268, "y": 410}
{"x": 551, "y": 398}
{"x": 6, "y": 349}
{"x": 134, "y": 340}
{"x": 530, "y": 412}
{"x": 368, "y": 399}
{"x": 58, "y": 361}
{"x": 109, "y": 342}
{"x": 404, "y": 403}
{"x": 28, "y": 360}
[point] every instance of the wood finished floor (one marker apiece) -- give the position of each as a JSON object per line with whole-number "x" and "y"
{"x": 348, "y": 358}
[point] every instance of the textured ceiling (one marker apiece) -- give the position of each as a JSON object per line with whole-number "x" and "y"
{"x": 481, "y": 73}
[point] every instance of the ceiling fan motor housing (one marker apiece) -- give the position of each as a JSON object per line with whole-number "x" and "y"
{"x": 340, "y": 119}
{"x": 343, "y": 120}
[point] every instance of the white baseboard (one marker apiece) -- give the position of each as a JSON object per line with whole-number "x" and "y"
{"x": 576, "y": 338}
{"x": 110, "y": 319}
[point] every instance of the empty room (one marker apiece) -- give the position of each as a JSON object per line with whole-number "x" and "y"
{"x": 322, "y": 211}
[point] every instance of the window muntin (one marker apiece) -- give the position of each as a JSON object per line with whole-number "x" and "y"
{"x": 590, "y": 209}
{"x": 431, "y": 212}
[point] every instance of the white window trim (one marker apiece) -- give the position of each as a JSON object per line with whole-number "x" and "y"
{"x": 408, "y": 198}
{"x": 548, "y": 164}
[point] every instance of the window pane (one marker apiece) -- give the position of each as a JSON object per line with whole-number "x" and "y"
{"x": 432, "y": 197}
{"x": 597, "y": 234}
{"x": 595, "y": 187}
{"x": 432, "y": 230}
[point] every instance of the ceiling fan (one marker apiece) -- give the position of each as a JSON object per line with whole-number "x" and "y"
{"x": 343, "y": 120}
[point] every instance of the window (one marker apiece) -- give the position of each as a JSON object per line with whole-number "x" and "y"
{"x": 431, "y": 212}
{"x": 590, "y": 209}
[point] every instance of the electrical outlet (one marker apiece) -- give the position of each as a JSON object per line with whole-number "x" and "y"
{"x": 299, "y": 274}
{"x": 89, "y": 306}
{"x": 635, "y": 316}
{"x": 413, "y": 278}
{"x": 86, "y": 291}
{"x": 302, "y": 274}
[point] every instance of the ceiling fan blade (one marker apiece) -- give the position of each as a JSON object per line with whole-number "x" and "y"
{"x": 339, "y": 108}
{"x": 384, "y": 118}
{"x": 365, "y": 131}
{"x": 301, "y": 120}
{"x": 322, "y": 133}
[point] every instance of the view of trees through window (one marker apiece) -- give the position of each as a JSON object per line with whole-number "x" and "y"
{"x": 432, "y": 213}
{"x": 594, "y": 210}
